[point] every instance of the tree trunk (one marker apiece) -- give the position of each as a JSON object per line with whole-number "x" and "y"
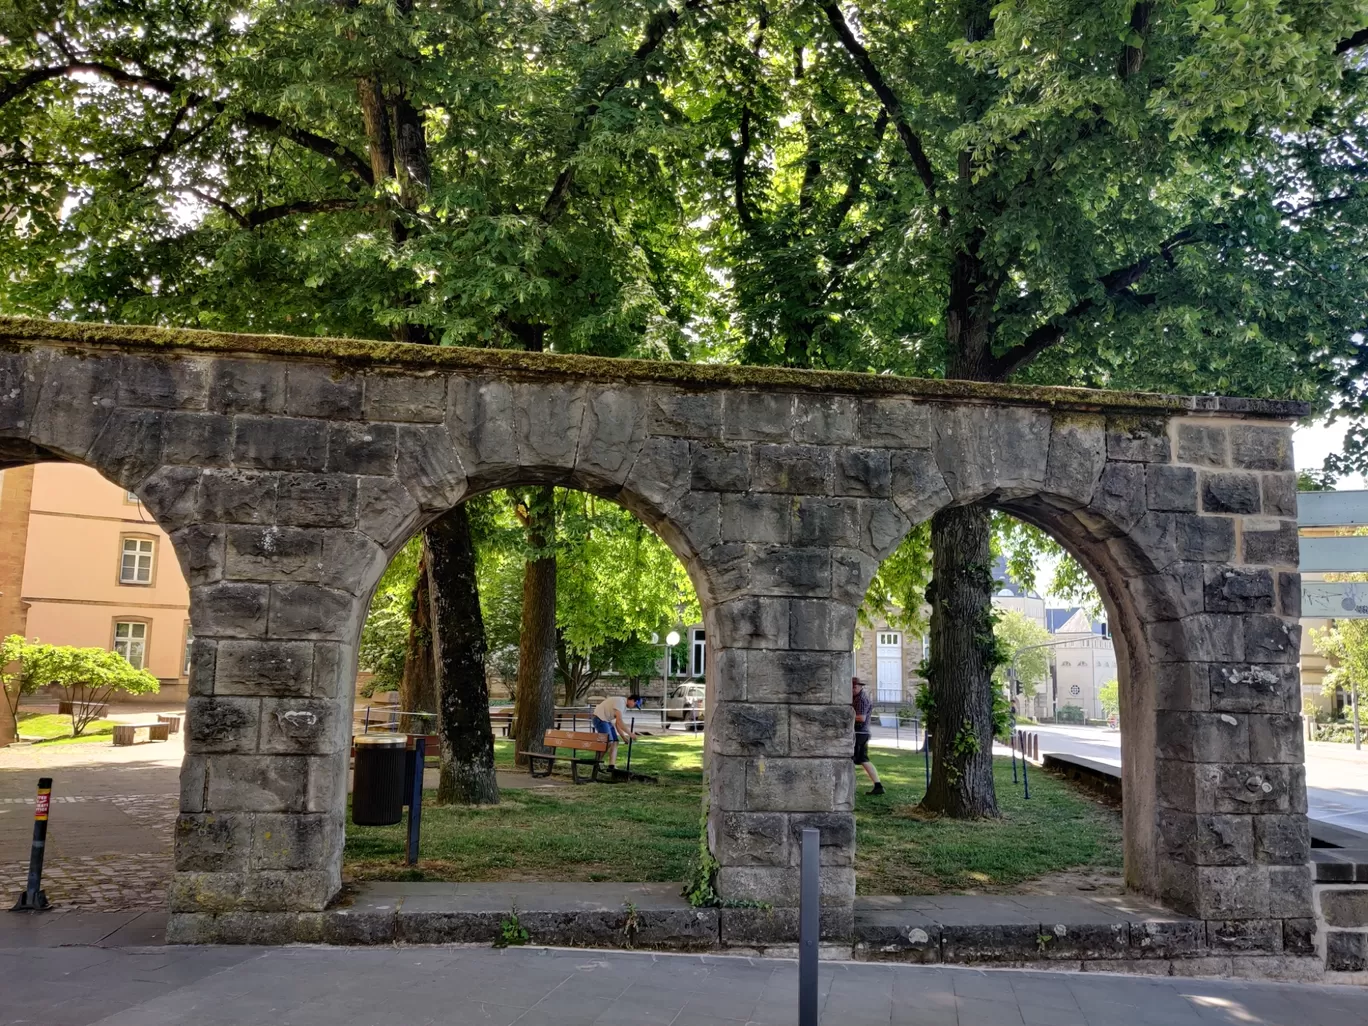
{"x": 535, "y": 705}
{"x": 458, "y": 639}
{"x": 961, "y": 665}
{"x": 418, "y": 686}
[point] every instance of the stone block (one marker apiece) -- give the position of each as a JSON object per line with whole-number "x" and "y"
{"x": 1299, "y": 937}
{"x": 1078, "y": 452}
{"x": 990, "y": 449}
{"x": 193, "y": 782}
{"x": 792, "y": 469}
{"x": 364, "y": 448}
{"x": 1119, "y": 498}
{"x": 825, "y": 522}
{"x": 968, "y": 942}
{"x": 825, "y": 420}
{"x": 386, "y": 511}
{"x": 480, "y": 420}
{"x": 753, "y": 622}
{"x": 1251, "y": 788}
{"x": 820, "y": 730}
{"x": 164, "y": 383}
{"x": 428, "y": 464}
{"x": 20, "y": 384}
{"x": 280, "y": 443}
{"x": 172, "y": 496}
{"x": 267, "y": 783}
{"x": 316, "y": 500}
{"x": 1289, "y": 891}
{"x": 896, "y": 423}
{"x": 219, "y": 724}
{"x": 727, "y": 571}
{"x": 882, "y": 528}
{"x": 1182, "y": 686}
{"x": 1175, "y": 785}
{"x": 685, "y": 414}
{"x": 318, "y": 390}
{"x": 757, "y": 416}
{"x": 851, "y": 572}
{"x": 1167, "y": 938}
{"x": 1208, "y": 637}
{"x": 779, "y": 886}
{"x": 213, "y": 842}
{"x": 1229, "y": 492}
{"x": 78, "y": 395}
{"x": 300, "y": 841}
{"x": 1279, "y": 494}
{"x": 1282, "y": 840}
{"x": 1209, "y": 539}
{"x": 720, "y": 468}
{"x": 751, "y": 839}
{"x": 128, "y": 448}
{"x": 611, "y": 435}
{"x": 313, "y": 612}
{"x": 1271, "y": 639}
{"x": 197, "y": 439}
{"x": 273, "y": 553}
{"x": 746, "y": 728}
{"x": 760, "y": 519}
{"x": 1171, "y": 489}
{"x": 863, "y": 472}
{"x": 406, "y": 398}
{"x": 229, "y": 609}
{"x": 1346, "y": 952}
{"x": 781, "y": 570}
{"x": 1242, "y": 687}
{"x": 1276, "y": 737}
{"x": 203, "y": 661}
{"x": 1231, "y": 589}
{"x": 1289, "y": 594}
{"x": 1083, "y": 941}
{"x": 1276, "y": 546}
{"x": 1206, "y": 445}
{"x": 836, "y": 836}
{"x": 796, "y": 785}
{"x": 917, "y": 485}
{"x": 247, "y": 386}
{"x": 1253, "y": 447}
{"x": 767, "y": 927}
{"x": 1223, "y": 840}
{"x": 783, "y": 676}
{"x": 281, "y": 668}
{"x": 547, "y": 421}
{"x": 1345, "y": 907}
{"x": 1231, "y": 893}
{"x": 821, "y": 624}
{"x": 305, "y": 726}
{"x": 1244, "y": 935}
{"x": 1202, "y": 736}
{"x": 351, "y": 562}
{"x": 1176, "y": 592}
{"x": 1137, "y": 438}
{"x": 660, "y": 478}
{"x": 237, "y": 497}
{"x": 334, "y": 672}
{"x": 201, "y": 551}
{"x": 268, "y": 892}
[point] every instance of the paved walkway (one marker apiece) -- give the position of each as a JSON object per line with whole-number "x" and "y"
{"x": 424, "y": 986}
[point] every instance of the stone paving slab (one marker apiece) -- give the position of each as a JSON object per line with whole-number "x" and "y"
{"x": 424, "y": 986}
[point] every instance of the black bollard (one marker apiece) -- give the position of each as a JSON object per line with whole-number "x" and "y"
{"x": 1011, "y": 740}
{"x": 1025, "y": 782}
{"x": 926, "y": 757}
{"x": 33, "y": 899}
{"x": 809, "y": 926}
{"x": 415, "y": 801}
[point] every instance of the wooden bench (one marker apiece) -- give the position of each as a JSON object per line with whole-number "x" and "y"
{"x": 503, "y": 719}
{"x": 172, "y": 721}
{"x": 156, "y": 731}
{"x": 96, "y": 710}
{"x": 540, "y": 764}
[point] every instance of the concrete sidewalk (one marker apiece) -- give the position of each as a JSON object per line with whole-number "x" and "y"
{"x": 418, "y": 986}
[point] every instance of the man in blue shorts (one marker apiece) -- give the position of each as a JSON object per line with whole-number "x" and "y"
{"x": 609, "y": 719}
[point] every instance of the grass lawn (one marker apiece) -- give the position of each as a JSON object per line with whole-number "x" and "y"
{"x": 51, "y": 729}
{"x": 650, "y": 832}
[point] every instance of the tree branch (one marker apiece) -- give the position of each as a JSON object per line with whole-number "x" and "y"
{"x": 1115, "y": 284}
{"x": 891, "y": 104}
{"x": 223, "y": 205}
{"x": 1359, "y": 38}
{"x": 334, "y": 151}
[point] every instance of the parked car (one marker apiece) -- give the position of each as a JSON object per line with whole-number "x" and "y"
{"x": 686, "y": 702}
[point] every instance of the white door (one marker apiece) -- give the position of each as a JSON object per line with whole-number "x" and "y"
{"x": 889, "y": 655}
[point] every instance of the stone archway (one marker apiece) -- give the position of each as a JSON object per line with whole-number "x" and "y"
{"x": 288, "y": 470}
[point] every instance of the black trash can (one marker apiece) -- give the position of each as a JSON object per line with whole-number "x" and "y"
{"x": 378, "y": 783}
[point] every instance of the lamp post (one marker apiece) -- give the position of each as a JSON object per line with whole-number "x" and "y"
{"x": 671, "y": 640}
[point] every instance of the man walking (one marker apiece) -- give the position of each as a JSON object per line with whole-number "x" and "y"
{"x": 864, "y": 708}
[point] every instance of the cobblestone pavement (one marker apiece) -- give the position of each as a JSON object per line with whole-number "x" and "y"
{"x": 453, "y": 986}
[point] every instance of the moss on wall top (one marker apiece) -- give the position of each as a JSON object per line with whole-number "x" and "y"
{"x": 23, "y": 331}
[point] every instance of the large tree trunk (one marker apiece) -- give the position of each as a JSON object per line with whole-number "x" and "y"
{"x": 458, "y": 640}
{"x": 535, "y": 705}
{"x": 418, "y": 686}
{"x": 961, "y": 665}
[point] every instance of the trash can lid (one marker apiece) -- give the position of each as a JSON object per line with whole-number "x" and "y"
{"x": 381, "y": 740}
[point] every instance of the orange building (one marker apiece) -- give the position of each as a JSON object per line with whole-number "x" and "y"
{"x": 83, "y": 563}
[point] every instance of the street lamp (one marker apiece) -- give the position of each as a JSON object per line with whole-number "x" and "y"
{"x": 671, "y": 640}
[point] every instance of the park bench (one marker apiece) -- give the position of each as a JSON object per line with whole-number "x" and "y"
{"x": 540, "y": 764}
{"x": 95, "y": 710}
{"x": 171, "y": 720}
{"x": 502, "y": 719}
{"x": 157, "y": 730}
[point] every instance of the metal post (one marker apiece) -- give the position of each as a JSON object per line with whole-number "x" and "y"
{"x": 926, "y": 757}
{"x": 809, "y": 927}
{"x": 1011, "y": 740}
{"x": 1353, "y": 699}
{"x": 33, "y": 899}
{"x": 415, "y": 821}
{"x": 1025, "y": 781}
{"x": 631, "y": 729}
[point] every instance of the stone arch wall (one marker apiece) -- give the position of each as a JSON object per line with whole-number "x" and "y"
{"x": 287, "y": 471}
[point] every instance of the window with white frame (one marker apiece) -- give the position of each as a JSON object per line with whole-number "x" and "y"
{"x": 136, "y": 566}
{"x": 130, "y": 641}
{"x": 189, "y": 640}
{"x": 132, "y": 496}
{"x": 698, "y": 654}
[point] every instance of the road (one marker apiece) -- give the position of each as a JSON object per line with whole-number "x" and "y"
{"x": 1336, "y": 775}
